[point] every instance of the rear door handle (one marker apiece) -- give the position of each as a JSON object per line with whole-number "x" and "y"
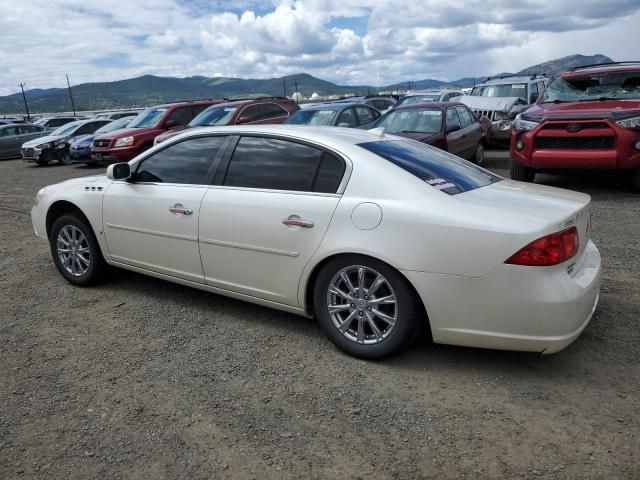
{"x": 297, "y": 222}
{"x": 178, "y": 208}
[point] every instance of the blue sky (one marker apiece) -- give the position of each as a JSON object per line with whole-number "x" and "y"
{"x": 375, "y": 42}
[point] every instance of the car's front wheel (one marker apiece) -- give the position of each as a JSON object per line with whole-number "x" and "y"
{"x": 365, "y": 307}
{"x": 75, "y": 250}
{"x": 522, "y": 173}
{"x": 636, "y": 180}
{"x": 478, "y": 157}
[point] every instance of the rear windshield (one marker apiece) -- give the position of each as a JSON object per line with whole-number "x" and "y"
{"x": 441, "y": 170}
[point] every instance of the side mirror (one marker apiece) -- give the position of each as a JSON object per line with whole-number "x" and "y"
{"x": 119, "y": 171}
{"x": 243, "y": 119}
{"x": 453, "y": 128}
{"x": 169, "y": 124}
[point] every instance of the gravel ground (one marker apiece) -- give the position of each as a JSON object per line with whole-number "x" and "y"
{"x": 143, "y": 378}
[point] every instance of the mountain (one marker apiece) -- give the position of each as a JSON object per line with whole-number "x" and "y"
{"x": 151, "y": 90}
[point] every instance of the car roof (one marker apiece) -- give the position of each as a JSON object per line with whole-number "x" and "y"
{"x": 599, "y": 69}
{"x": 210, "y": 101}
{"x": 428, "y": 106}
{"x": 506, "y": 80}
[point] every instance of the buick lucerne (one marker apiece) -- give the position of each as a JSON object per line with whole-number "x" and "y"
{"x": 375, "y": 235}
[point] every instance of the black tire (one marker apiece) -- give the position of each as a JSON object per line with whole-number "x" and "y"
{"x": 42, "y": 163}
{"x": 407, "y": 309}
{"x": 96, "y": 266}
{"x": 66, "y": 159}
{"x": 522, "y": 173}
{"x": 636, "y": 180}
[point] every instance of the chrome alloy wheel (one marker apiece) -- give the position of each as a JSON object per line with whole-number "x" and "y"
{"x": 73, "y": 250}
{"x": 362, "y": 304}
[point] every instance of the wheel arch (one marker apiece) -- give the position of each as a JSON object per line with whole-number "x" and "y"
{"x": 313, "y": 276}
{"x": 62, "y": 207}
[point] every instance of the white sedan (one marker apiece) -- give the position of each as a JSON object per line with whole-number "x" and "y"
{"x": 374, "y": 235}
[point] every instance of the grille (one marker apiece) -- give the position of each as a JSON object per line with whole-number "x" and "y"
{"x": 487, "y": 113}
{"x": 575, "y": 143}
{"x": 101, "y": 143}
{"x": 27, "y": 152}
{"x": 583, "y": 126}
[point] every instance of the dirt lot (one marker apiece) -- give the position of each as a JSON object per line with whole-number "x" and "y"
{"x": 143, "y": 378}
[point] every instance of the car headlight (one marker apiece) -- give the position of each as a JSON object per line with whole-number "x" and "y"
{"x": 633, "y": 122}
{"x": 39, "y": 196}
{"x": 521, "y": 125}
{"x": 60, "y": 144}
{"x": 43, "y": 146}
{"x": 124, "y": 142}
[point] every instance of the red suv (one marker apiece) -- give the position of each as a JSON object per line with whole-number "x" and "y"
{"x": 588, "y": 117}
{"x": 258, "y": 111}
{"x": 123, "y": 145}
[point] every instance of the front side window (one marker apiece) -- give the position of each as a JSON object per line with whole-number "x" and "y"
{"x": 623, "y": 86}
{"x": 187, "y": 162}
{"x": 465, "y": 117}
{"x": 149, "y": 118}
{"x": 213, "y": 116}
{"x": 115, "y": 125}
{"x": 181, "y": 116}
{"x": 29, "y": 129}
{"x": 364, "y": 115}
{"x": 281, "y": 165}
{"x": 67, "y": 129}
{"x": 347, "y": 118}
{"x": 453, "y": 121}
{"x": 58, "y": 122}
{"x": 441, "y": 170}
{"x": 412, "y": 120}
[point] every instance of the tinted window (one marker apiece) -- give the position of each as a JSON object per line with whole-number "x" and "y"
{"x": 90, "y": 127}
{"x": 452, "y": 119}
{"x": 329, "y": 174}
{"x": 273, "y": 164}
{"x": 465, "y": 117}
{"x": 263, "y": 111}
{"x": 347, "y": 118}
{"x": 379, "y": 104}
{"x": 11, "y": 131}
{"x": 181, "y": 116}
{"x": 185, "y": 162}
{"x": 439, "y": 169}
{"x": 29, "y": 129}
{"x": 57, "y": 122}
{"x": 364, "y": 115}
{"x": 197, "y": 110}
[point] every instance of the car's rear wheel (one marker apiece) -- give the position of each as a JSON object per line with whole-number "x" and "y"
{"x": 75, "y": 250}
{"x": 522, "y": 173}
{"x": 365, "y": 307}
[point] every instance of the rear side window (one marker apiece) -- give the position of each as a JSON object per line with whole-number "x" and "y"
{"x": 282, "y": 165}
{"x": 263, "y": 111}
{"x": 181, "y": 116}
{"x": 185, "y": 162}
{"x": 364, "y": 115}
{"x": 347, "y": 119}
{"x": 441, "y": 170}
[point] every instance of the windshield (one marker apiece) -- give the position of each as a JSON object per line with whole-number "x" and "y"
{"x": 115, "y": 125}
{"x": 441, "y": 170}
{"x": 413, "y": 120}
{"x": 148, "y": 118}
{"x": 594, "y": 87}
{"x": 508, "y": 90}
{"x": 312, "y": 117}
{"x": 213, "y": 116}
{"x": 41, "y": 121}
{"x": 67, "y": 129}
{"x": 418, "y": 99}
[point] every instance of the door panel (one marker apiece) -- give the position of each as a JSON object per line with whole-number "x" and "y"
{"x": 140, "y": 229}
{"x": 245, "y": 246}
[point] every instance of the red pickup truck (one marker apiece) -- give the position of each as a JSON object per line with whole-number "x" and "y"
{"x": 123, "y": 145}
{"x": 586, "y": 118}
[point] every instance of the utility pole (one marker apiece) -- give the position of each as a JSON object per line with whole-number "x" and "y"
{"x": 24, "y": 97}
{"x": 297, "y": 96}
{"x": 71, "y": 96}
{"x": 284, "y": 87}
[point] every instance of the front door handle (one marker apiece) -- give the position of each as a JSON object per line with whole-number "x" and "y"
{"x": 178, "y": 208}
{"x": 297, "y": 222}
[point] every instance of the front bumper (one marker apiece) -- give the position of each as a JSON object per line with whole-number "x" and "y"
{"x": 537, "y": 309}
{"x": 114, "y": 155}
{"x": 30, "y": 154}
{"x": 80, "y": 155}
{"x": 501, "y": 130}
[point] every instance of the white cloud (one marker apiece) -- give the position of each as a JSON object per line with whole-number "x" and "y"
{"x": 115, "y": 39}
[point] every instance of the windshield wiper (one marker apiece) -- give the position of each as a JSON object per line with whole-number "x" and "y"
{"x": 557, "y": 101}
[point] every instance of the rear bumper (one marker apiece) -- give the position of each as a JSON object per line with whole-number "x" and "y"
{"x": 537, "y": 309}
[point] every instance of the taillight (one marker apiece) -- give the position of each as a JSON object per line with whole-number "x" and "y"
{"x": 550, "y": 250}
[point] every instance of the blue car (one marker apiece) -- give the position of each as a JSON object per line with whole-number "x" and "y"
{"x": 80, "y": 149}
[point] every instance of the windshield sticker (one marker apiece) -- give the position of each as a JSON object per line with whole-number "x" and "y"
{"x": 518, "y": 86}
